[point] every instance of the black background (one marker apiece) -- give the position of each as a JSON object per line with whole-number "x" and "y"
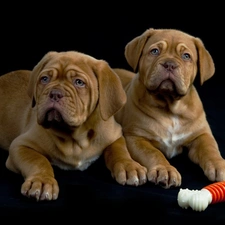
{"x": 99, "y": 29}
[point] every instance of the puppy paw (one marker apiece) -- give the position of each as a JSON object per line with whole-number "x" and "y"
{"x": 215, "y": 170}
{"x": 129, "y": 172}
{"x": 165, "y": 176}
{"x": 40, "y": 188}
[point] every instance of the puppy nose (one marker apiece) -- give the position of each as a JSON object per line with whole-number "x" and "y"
{"x": 170, "y": 65}
{"x": 55, "y": 95}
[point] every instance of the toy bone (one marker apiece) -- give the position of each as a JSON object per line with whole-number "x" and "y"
{"x": 199, "y": 200}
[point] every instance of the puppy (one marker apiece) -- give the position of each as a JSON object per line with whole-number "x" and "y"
{"x": 62, "y": 113}
{"x": 164, "y": 114}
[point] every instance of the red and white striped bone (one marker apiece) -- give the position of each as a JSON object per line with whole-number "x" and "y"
{"x": 199, "y": 200}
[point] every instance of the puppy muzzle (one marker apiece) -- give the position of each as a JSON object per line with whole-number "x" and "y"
{"x": 167, "y": 79}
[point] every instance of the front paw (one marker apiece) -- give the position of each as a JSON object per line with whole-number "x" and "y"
{"x": 40, "y": 187}
{"x": 165, "y": 176}
{"x": 129, "y": 172}
{"x": 215, "y": 170}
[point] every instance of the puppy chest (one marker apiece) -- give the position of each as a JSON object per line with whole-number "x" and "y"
{"x": 172, "y": 138}
{"x": 76, "y": 154}
{"x": 73, "y": 157}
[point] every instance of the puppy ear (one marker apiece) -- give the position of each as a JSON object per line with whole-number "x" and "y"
{"x": 205, "y": 62}
{"x": 112, "y": 96}
{"x": 134, "y": 48}
{"x": 34, "y": 74}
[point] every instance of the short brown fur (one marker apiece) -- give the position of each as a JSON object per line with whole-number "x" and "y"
{"x": 164, "y": 114}
{"x": 62, "y": 113}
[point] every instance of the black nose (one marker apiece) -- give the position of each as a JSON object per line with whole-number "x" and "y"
{"x": 55, "y": 95}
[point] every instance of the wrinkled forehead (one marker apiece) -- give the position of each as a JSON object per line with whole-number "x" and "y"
{"x": 63, "y": 63}
{"x": 172, "y": 38}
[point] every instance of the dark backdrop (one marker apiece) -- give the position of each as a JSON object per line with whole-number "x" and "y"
{"x": 102, "y": 30}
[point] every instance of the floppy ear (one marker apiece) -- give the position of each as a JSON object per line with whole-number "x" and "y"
{"x": 205, "y": 62}
{"x": 112, "y": 96}
{"x": 134, "y": 48}
{"x": 34, "y": 74}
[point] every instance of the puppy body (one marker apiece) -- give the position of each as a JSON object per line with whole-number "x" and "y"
{"x": 164, "y": 114}
{"x": 62, "y": 113}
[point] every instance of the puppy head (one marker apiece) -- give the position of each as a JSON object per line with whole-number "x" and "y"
{"x": 67, "y": 87}
{"x": 168, "y": 60}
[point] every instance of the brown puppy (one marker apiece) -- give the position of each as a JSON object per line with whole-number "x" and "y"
{"x": 164, "y": 113}
{"x": 66, "y": 119}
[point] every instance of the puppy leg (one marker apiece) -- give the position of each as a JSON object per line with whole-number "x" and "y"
{"x": 204, "y": 151}
{"x": 159, "y": 170}
{"x": 123, "y": 168}
{"x": 37, "y": 171}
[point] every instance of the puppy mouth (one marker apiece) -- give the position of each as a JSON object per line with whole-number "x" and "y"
{"x": 53, "y": 118}
{"x": 53, "y": 115}
{"x": 167, "y": 88}
{"x": 167, "y": 80}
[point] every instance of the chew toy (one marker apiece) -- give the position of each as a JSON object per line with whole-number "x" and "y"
{"x": 199, "y": 200}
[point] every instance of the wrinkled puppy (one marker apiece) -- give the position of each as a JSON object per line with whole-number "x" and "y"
{"x": 164, "y": 114}
{"x": 66, "y": 120}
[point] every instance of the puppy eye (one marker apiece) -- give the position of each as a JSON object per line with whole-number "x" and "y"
{"x": 79, "y": 82}
{"x": 155, "y": 51}
{"x": 186, "y": 56}
{"x": 45, "y": 79}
